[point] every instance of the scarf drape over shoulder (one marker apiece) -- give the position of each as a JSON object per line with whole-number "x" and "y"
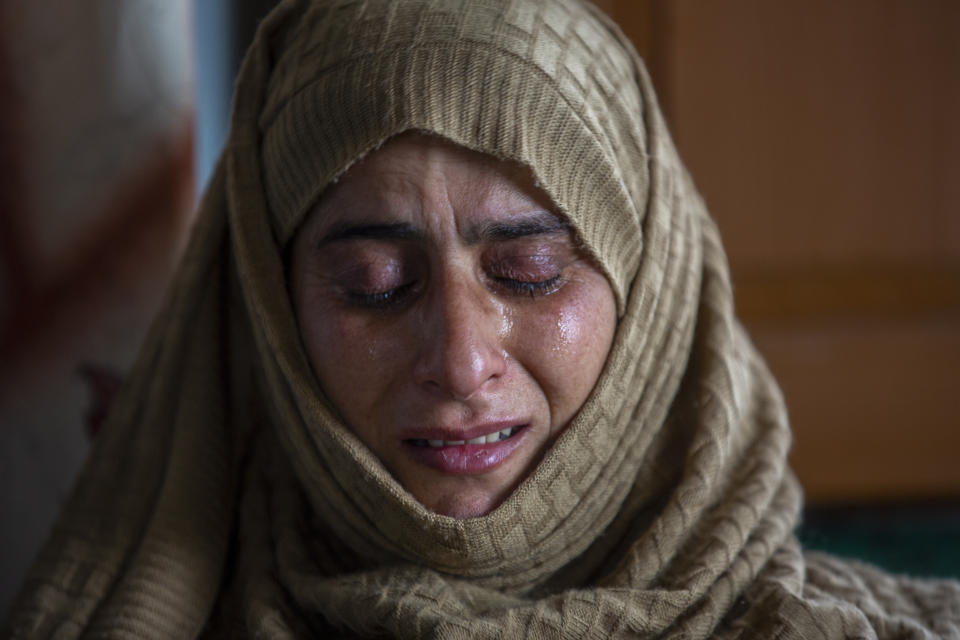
{"x": 225, "y": 498}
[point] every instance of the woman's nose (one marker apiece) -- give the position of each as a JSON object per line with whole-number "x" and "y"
{"x": 461, "y": 346}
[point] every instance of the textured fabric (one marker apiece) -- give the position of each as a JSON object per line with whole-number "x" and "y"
{"x": 225, "y": 499}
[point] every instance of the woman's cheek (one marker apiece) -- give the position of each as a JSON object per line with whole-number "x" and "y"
{"x": 356, "y": 363}
{"x": 360, "y": 343}
{"x": 540, "y": 341}
{"x": 571, "y": 354}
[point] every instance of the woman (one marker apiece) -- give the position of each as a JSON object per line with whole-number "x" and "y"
{"x": 436, "y": 222}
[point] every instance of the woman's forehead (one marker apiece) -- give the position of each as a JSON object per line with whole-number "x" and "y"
{"x": 415, "y": 174}
{"x": 413, "y": 158}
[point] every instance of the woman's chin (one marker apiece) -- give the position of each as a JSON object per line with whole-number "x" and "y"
{"x": 462, "y": 505}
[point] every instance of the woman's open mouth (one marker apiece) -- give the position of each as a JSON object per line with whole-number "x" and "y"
{"x": 475, "y": 455}
{"x": 489, "y": 438}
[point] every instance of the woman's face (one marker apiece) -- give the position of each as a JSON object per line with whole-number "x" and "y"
{"x": 450, "y": 317}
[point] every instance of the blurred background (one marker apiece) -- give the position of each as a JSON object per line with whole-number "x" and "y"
{"x": 823, "y": 135}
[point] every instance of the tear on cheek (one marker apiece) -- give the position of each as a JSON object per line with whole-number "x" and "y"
{"x": 567, "y": 329}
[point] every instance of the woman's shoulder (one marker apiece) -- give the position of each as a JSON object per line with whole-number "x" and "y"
{"x": 842, "y": 598}
{"x": 895, "y": 605}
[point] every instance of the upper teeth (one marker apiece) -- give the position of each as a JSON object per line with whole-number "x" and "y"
{"x": 496, "y": 436}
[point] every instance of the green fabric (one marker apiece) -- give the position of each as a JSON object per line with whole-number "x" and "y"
{"x": 916, "y": 539}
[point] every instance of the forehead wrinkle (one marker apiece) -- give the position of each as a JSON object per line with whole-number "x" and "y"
{"x": 431, "y": 176}
{"x": 375, "y": 203}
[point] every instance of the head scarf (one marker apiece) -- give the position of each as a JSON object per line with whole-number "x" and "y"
{"x": 225, "y": 497}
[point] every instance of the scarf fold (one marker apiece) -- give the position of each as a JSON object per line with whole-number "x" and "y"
{"x": 226, "y": 498}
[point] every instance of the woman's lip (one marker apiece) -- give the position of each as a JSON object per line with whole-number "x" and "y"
{"x": 466, "y": 459}
{"x": 448, "y": 434}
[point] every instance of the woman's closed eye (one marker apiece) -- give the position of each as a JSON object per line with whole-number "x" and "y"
{"x": 375, "y": 280}
{"x": 382, "y": 299}
{"x": 520, "y": 284}
{"x": 387, "y": 280}
{"x": 530, "y": 275}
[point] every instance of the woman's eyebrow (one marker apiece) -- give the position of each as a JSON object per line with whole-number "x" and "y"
{"x": 389, "y": 231}
{"x": 536, "y": 224}
{"x": 543, "y": 223}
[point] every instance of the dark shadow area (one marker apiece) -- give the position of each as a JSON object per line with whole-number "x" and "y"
{"x": 921, "y": 539}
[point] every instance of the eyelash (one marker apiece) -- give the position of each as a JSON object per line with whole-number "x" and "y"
{"x": 533, "y": 289}
{"x": 398, "y": 295}
{"x": 382, "y": 299}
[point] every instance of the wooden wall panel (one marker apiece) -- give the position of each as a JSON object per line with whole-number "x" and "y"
{"x": 822, "y": 130}
{"x": 873, "y": 404}
{"x": 825, "y": 139}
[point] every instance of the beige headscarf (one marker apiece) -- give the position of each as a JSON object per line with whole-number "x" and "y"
{"x": 225, "y": 498}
